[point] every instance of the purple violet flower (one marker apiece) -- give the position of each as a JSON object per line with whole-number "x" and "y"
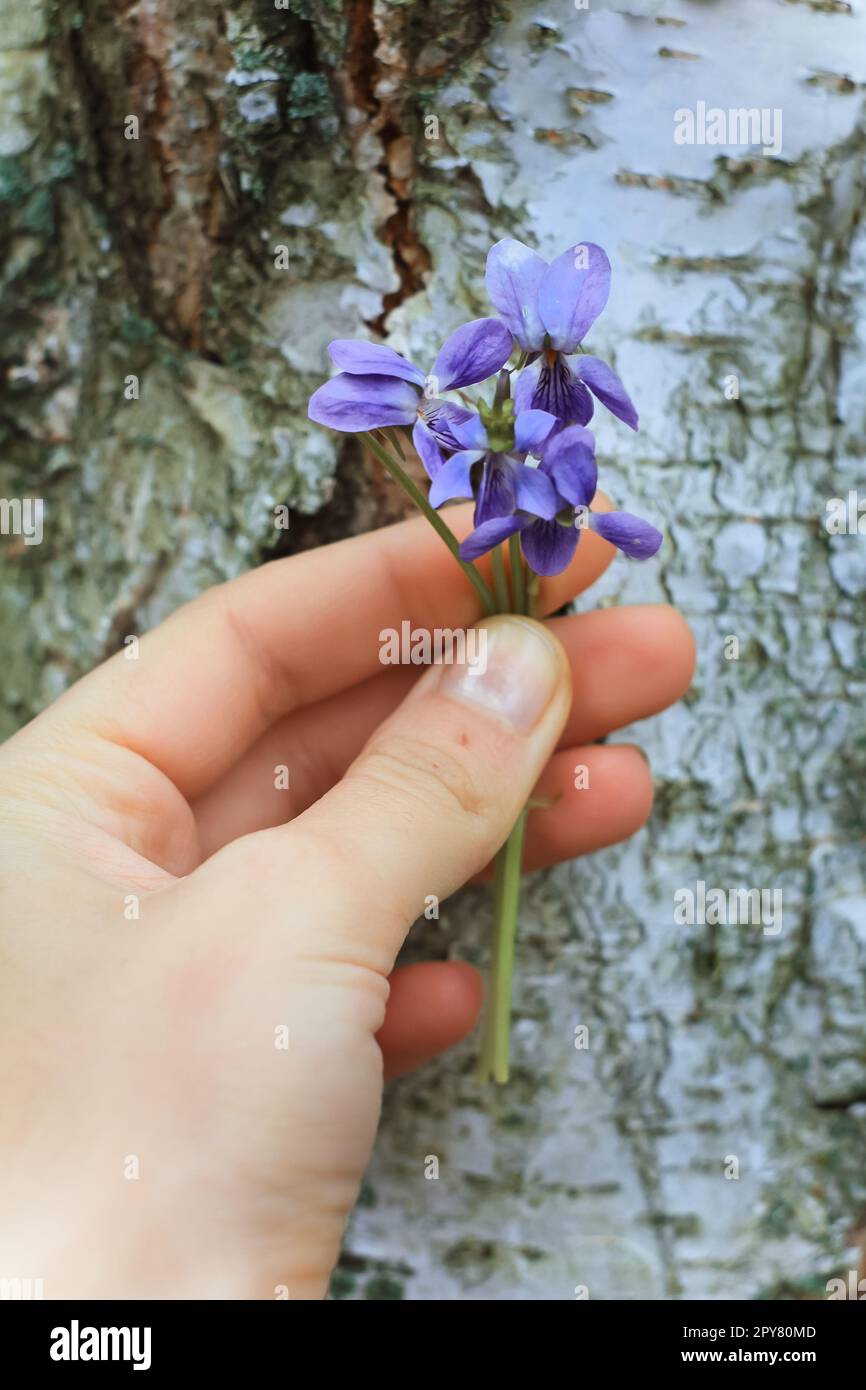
{"x": 549, "y": 309}
{"x": 549, "y": 544}
{"x": 494, "y": 470}
{"x": 377, "y": 388}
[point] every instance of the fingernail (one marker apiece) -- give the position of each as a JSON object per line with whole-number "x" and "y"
{"x": 517, "y": 677}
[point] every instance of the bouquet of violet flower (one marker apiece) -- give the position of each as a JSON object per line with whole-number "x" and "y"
{"x": 522, "y": 451}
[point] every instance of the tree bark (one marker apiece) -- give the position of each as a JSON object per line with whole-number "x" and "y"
{"x": 316, "y": 170}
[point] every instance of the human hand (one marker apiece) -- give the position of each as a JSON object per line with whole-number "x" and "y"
{"x": 167, "y": 910}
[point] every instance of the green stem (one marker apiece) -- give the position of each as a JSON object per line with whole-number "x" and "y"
{"x": 497, "y": 1021}
{"x": 485, "y": 1062}
{"x": 496, "y": 1032}
{"x": 395, "y": 440}
{"x": 447, "y": 535}
{"x": 518, "y": 582}
{"x": 500, "y": 583}
{"x": 497, "y": 1026}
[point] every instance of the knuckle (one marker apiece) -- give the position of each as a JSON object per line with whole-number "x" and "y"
{"x": 426, "y": 773}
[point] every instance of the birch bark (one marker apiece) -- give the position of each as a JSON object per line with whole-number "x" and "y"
{"x": 305, "y": 171}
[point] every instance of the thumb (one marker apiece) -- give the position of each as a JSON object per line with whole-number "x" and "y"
{"x": 439, "y": 786}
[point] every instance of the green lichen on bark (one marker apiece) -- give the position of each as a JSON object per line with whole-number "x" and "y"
{"x": 385, "y": 146}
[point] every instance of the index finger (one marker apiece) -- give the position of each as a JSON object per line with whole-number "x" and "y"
{"x": 211, "y": 679}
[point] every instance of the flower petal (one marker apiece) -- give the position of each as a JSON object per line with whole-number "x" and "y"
{"x": 427, "y": 448}
{"x": 453, "y": 479}
{"x": 628, "y": 533}
{"x": 470, "y": 433}
{"x": 472, "y": 353}
{"x": 560, "y": 392}
{"x": 488, "y": 536}
{"x": 372, "y": 359}
{"x": 534, "y": 492}
{"x": 573, "y": 293}
{"x": 548, "y": 546}
{"x": 603, "y": 382}
{"x": 497, "y": 495}
{"x": 441, "y": 417}
{"x": 524, "y": 388}
{"x": 531, "y": 428}
{"x": 514, "y": 274}
{"x": 353, "y": 403}
{"x": 569, "y": 460}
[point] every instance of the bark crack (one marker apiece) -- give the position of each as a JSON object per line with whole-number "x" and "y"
{"x": 378, "y": 69}
{"x": 152, "y": 88}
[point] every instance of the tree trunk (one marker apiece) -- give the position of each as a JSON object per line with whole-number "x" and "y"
{"x": 196, "y": 197}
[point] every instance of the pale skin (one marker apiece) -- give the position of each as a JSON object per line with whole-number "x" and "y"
{"x": 148, "y": 1044}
